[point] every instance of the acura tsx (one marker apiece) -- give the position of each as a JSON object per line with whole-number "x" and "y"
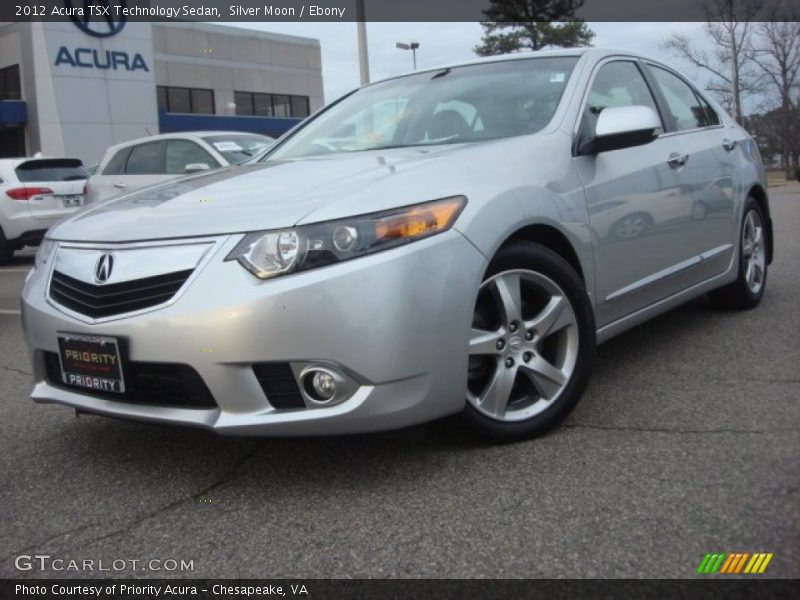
{"x": 452, "y": 241}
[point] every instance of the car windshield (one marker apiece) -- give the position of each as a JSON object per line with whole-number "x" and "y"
{"x": 238, "y": 148}
{"x": 449, "y": 106}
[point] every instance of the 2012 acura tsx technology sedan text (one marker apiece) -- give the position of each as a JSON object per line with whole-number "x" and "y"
{"x": 450, "y": 241}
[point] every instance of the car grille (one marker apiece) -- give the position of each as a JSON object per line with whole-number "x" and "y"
{"x": 117, "y": 298}
{"x": 154, "y": 384}
{"x": 279, "y": 385}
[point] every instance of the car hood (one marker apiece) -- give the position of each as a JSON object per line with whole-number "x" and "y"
{"x": 272, "y": 194}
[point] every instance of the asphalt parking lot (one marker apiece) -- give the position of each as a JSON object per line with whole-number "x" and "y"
{"x": 687, "y": 442}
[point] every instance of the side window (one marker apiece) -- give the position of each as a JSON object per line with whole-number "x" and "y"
{"x": 711, "y": 114}
{"x": 618, "y": 83}
{"x": 687, "y": 112}
{"x": 145, "y": 160}
{"x": 116, "y": 166}
{"x": 180, "y": 153}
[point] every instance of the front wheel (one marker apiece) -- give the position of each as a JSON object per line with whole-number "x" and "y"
{"x": 531, "y": 347}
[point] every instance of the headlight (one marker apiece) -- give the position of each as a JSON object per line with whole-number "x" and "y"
{"x": 44, "y": 252}
{"x": 270, "y": 253}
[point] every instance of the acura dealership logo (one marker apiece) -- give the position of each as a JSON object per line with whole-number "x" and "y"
{"x": 104, "y": 267}
{"x": 98, "y": 17}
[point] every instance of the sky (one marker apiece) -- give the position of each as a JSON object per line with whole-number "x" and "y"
{"x": 443, "y": 43}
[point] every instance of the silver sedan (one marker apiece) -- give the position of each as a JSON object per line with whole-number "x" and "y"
{"x": 453, "y": 241}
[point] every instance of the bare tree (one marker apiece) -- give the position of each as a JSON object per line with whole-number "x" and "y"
{"x": 729, "y": 25}
{"x": 777, "y": 55}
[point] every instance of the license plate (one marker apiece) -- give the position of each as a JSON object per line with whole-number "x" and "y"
{"x": 91, "y": 362}
{"x": 71, "y": 201}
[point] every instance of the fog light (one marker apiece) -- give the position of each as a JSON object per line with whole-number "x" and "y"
{"x": 324, "y": 385}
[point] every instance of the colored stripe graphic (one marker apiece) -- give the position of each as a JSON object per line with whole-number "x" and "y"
{"x": 727, "y": 565}
{"x": 735, "y": 563}
{"x": 764, "y": 564}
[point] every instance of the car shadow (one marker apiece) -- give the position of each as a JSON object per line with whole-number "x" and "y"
{"x": 135, "y": 451}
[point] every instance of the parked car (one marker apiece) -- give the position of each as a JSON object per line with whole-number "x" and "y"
{"x": 34, "y": 194}
{"x": 142, "y": 162}
{"x": 446, "y": 262}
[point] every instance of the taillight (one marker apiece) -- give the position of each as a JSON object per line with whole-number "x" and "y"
{"x": 26, "y": 193}
{"x": 85, "y": 188}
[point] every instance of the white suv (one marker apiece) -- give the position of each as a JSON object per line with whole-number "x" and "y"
{"x": 35, "y": 193}
{"x": 145, "y": 161}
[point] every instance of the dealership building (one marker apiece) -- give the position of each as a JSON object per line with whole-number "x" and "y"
{"x": 73, "y": 88}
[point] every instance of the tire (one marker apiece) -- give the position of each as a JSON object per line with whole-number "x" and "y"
{"x": 747, "y": 290}
{"x": 527, "y": 368}
{"x": 6, "y": 249}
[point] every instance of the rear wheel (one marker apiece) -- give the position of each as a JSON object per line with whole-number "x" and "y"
{"x": 531, "y": 346}
{"x": 6, "y": 249}
{"x": 748, "y": 289}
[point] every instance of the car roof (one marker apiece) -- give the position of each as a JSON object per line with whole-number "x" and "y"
{"x": 180, "y": 135}
{"x": 594, "y": 53}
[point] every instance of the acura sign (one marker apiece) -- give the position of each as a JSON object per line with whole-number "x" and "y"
{"x": 96, "y": 17}
{"x": 99, "y": 19}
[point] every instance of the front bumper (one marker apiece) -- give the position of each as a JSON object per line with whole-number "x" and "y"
{"x": 397, "y": 321}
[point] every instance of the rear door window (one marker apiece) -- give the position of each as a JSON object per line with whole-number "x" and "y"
{"x": 146, "y": 159}
{"x": 682, "y": 102}
{"x": 116, "y": 166}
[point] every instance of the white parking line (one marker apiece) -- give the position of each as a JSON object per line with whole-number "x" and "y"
{"x": 14, "y": 270}
{"x": 8, "y": 311}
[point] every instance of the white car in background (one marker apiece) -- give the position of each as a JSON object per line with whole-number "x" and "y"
{"x": 145, "y": 161}
{"x": 36, "y": 193}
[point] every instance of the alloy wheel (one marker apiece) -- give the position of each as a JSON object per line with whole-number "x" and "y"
{"x": 523, "y": 346}
{"x": 753, "y": 252}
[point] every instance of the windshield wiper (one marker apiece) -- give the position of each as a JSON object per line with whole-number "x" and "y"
{"x": 440, "y": 74}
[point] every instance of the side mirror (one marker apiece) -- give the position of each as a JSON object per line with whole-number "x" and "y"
{"x": 623, "y": 127}
{"x": 195, "y": 167}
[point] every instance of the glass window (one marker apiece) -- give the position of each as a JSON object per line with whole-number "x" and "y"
{"x": 202, "y": 102}
{"x": 711, "y": 115}
{"x": 161, "y": 98}
{"x": 618, "y": 83}
{"x": 244, "y": 103}
{"x": 262, "y": 104}
{"x": 239, "y": 148}
{"x": 510, "y": 98}
{"x": 179, "y": 100}
{"x": 300, "y": 106}
{"x": 10, "y": 88}
{"x": 686, "y": 110}
{"x": 116, "y": 166}
{"x": 145, "y": 159}
{"x": 51, "y": 169}
{"x": 280, "y": 106}
{"x": 180, "y": 153}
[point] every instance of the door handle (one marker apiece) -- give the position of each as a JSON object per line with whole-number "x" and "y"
{"x": 120, "y": 185}
{"x": 676, "y": 160}
{"x": 729, "y": 145}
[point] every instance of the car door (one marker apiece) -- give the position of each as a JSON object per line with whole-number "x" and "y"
{"x": 634, "y": 200}
{"x": 708, "y": 177}
{"x": 133, "y": 167}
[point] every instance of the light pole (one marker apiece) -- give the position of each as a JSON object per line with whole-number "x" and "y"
{"x": 410, "y": 46}
{"x": 363, "y": 56}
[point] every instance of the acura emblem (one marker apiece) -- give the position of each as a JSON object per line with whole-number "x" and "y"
{"x": 102, "y": 270}
{"x": 107, "y": 22}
